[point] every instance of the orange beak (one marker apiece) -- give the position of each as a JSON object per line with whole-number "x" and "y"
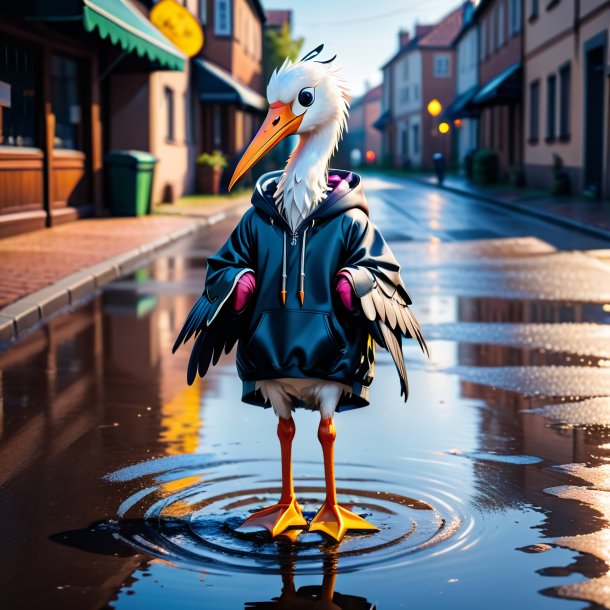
{"x": 279, "y": 123}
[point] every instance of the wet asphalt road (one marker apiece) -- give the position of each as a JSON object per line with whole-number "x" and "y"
{"x": 121, "y": 487}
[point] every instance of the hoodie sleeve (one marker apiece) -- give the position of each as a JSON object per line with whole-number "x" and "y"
{"x": 368, "y": 258}
{"x": 207, "y": 322}
{"x": 234, "y": 258}
{"x": 374, "y": 274}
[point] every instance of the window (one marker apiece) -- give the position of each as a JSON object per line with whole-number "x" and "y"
{"x": 405, "y": 68}
{"x": 415, "y": 92}
{"x": 534, "y": 100}
{"x": 222, "y": 17}
{"x": 551, "y": 102}
{"x": 441, "y": 66}
{"x": 169, "y": 114}
{"x": 564, "y": 102}
{"x": 203, "y": 11}
{"x": 405, "y": 142}
{"x": 19, "y": 75}
{"x": 492, "y": 31}
{"x": 514, "y": 17}
{"x": 483, "y": 42}
{"x": 501, "y": 23}
{"x": 533, "y": 9}
{"x": 66, "y": 102}
{"x": 415, "y": 131}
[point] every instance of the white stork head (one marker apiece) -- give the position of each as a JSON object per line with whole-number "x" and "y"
{"x": 308, "y": 98}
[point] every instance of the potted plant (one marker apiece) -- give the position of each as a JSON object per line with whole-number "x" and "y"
{"x": 560, "y": 187}
{"x": 209, "y": 171}
{"x": 486, "y": 166}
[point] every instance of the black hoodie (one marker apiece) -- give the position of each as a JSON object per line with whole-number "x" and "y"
{"x": 318, "y": 338}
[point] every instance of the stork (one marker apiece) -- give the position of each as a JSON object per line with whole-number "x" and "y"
{"x": 295, "y": 350}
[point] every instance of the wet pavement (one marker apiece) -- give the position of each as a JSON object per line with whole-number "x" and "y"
{"x": 122, "y": 487}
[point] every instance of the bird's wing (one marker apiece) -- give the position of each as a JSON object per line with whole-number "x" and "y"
{"x": 207, "y": 323}
{"x": 389, "y": 318}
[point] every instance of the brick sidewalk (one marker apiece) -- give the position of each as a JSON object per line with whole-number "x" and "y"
{"x": 34, "y": 260}
{"x": 43, "y": 271}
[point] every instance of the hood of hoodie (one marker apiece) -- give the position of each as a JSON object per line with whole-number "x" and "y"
{"x": 348, "y": 194}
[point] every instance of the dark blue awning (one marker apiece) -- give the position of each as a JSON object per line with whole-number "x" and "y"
{"x": 217, "y": 86}
{"x": 505, "y": 88}
{"x": 462, "y": 107}
{"x": 383, "y": 121}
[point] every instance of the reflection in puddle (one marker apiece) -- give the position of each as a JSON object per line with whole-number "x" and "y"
{"x": 596, "y": 543}
{"x": 189, "y": 510}
{"x": 97, "y": 391}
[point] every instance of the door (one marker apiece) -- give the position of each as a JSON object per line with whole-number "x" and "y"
{"x": 594, "y": 114}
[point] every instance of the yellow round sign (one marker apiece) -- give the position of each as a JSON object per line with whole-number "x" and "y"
{"x": 179, "y": 25}
{"x": 434, "y": 107}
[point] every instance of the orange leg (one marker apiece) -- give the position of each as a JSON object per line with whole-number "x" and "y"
{"x": 286, "y": 513}
{"x": 333, "y": 519}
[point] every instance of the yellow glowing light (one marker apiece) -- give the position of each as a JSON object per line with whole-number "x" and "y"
{"x": 457, "y": 122}
{"x": 434, "y": 107}
{"x": 606, "y": 307}
{"x": 444, "y": 127}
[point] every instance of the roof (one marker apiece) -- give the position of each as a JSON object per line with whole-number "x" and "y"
{"x": 412, "y": 44}
{"x": 446, "y": 31}
{"x": 218, "y": 86}
{"x": 258, "y": 7}
{"x": 278, "y": 18}
{"x": 372, "y": 95}
{"x": 441, "y": 34}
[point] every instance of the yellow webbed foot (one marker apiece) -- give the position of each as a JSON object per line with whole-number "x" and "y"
{"x": 277, "y": 518}
{"x": 335, "y": 521}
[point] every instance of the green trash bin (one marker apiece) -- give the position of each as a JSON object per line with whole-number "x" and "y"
{"x": 129, "y": 179}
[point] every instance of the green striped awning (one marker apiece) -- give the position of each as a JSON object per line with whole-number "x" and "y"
{"x": 124, "y": 25}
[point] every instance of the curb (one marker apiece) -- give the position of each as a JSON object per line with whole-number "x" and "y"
{"x": 520, "y": 207}
{"x": 31, "y": 309}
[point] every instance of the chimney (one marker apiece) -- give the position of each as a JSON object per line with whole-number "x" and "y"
{"x": 422, "y": 30}
{"x": 403, "y": 38}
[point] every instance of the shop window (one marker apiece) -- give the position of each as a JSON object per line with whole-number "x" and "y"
{"x": 67, "y": 103}
{"x": 19, "y": 102}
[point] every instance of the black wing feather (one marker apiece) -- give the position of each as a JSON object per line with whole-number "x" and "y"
{"x": 389, "y": 318}
{"x": 211, "y": 338}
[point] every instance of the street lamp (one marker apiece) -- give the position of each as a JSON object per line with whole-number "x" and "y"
{"x": 444, "y": 127}
{"x": 434, "y": 107}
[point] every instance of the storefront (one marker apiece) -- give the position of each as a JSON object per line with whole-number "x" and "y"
{"x": 55, "y": 60}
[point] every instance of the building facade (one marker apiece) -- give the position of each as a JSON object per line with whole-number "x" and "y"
{"x": 230, "y": 76}
{"x": 461, "y": 112}
{"x": 56, "y": 62}
{"x": 567, "y": 94}
{"x": 422, "y": 70}
{"x": 362, "y": 142}
{"x": 499, "y": 98}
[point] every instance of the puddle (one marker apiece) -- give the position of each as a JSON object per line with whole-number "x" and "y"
{"x": 189, "y": 515}
{"x": 97, "y": 391}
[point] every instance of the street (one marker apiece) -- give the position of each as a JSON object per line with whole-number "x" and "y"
{"x": 122, "y": 486}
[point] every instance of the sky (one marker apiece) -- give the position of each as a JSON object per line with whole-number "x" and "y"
{"x": 363, "y": 34}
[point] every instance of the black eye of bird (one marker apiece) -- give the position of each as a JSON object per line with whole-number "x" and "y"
{"x": 306, "y": 97}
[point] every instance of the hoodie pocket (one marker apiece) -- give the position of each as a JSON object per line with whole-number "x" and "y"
{"x": 303, "y": 339}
